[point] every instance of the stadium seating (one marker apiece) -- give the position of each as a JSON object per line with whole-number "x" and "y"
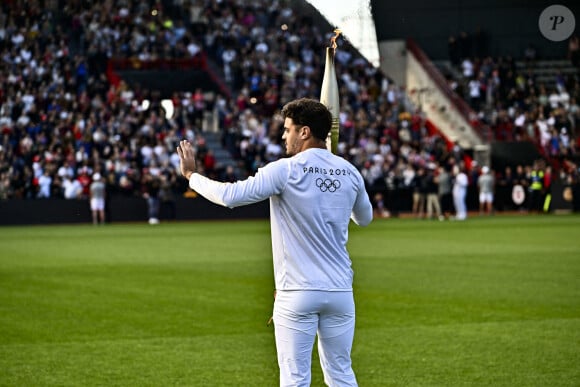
{"x": 83, "y": 89}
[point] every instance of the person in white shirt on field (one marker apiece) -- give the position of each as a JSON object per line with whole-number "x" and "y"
{"x": 313, "y": 195}
{"x": 97, "y": 200}
{"x": 460, "y": 184}
{"x": 486, "y": 186}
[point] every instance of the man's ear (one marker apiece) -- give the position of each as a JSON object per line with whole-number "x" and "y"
{"x": 305, "y": 132}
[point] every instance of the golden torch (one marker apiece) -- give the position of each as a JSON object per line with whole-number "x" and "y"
{"x": 329, "y": 93}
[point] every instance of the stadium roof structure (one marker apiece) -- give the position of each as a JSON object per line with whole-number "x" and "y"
{"x": 354, "y": 18}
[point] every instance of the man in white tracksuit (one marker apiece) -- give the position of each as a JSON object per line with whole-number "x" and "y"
{"x": 460, "y": 184}
{"x": 313, "y": 195}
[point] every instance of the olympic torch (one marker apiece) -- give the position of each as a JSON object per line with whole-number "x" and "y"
{"x": 329, "y": 93}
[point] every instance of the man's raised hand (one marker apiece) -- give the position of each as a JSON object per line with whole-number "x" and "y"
{"x": 186, "y": 158}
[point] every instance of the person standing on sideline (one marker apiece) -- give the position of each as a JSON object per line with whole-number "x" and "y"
{"x": 97, "y": 192}
{"x": 444, "y": 191}
{"x": 521, "y": 184}
{"x": 459, "y": 192}
{"x": 313, "y": 195}
{"x": 548, "y": 178}
{"x": 433, "y": 193}
{"x": 151, "y": 187}
{"x": 504, "y": 188}
{"x": 485, "y": 184}
{"x": 536, "y": 188}
{"x": 419, "y": 193}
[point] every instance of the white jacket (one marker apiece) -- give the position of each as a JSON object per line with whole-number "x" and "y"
{"x": 313, "y": 195}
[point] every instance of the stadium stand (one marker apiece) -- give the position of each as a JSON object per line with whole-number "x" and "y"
{"x": 85, "y": 85}
{"x": 525, "y": 99}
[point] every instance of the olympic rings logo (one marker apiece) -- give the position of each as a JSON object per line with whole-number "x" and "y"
{"x": 327, "y": 185}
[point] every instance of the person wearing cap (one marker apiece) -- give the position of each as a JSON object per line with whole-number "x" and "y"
{"x": 485, "y": 184}
{"x": 97, "y": 200}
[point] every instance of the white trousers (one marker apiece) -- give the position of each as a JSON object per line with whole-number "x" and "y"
{"x": 300, "y": 315}
{"x": 459, "y": 202}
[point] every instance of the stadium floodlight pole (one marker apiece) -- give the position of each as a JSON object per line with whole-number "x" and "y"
{"x": 329, "y": 93}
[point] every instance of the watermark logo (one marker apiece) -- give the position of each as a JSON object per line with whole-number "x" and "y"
{"x": 557, "y": 23}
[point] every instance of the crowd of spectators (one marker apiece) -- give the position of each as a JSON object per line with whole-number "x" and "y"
{"x": 63, "y": 119}
{"x": 508, "y": 97}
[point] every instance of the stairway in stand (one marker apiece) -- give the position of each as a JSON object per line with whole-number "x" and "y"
{"x": 222, "y": 156}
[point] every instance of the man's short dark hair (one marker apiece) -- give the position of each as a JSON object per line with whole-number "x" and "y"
{"x": 311, "y": 113}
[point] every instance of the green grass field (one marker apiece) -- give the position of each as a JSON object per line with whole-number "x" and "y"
{"x": 487, "y": 302}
